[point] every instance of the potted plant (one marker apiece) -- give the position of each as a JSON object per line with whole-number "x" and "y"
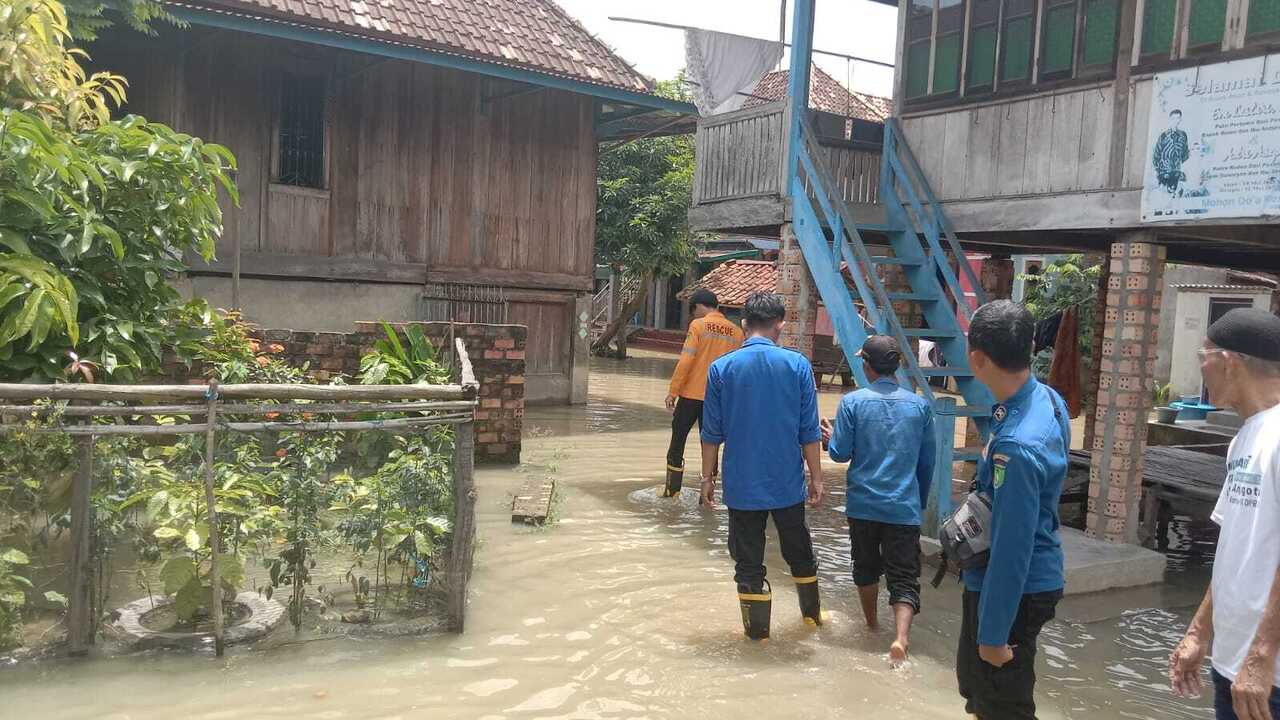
{"x": 1160, "y": 401}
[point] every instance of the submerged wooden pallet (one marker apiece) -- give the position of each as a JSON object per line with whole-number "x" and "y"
{"x": 532, "y": 505}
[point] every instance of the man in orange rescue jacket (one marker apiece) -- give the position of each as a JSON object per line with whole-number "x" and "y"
{"x": 710, "y": 336}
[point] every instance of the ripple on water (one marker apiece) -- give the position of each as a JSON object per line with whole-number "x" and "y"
{"x": 493, "y": 686}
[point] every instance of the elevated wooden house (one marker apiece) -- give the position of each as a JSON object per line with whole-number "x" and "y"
{"x": 1140, "y": 131}
{"x": 402, "y": 160}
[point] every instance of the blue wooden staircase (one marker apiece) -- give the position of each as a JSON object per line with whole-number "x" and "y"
{"x": 919, "y": 238}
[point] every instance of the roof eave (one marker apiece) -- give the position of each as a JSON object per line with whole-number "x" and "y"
{"x": 294, "y": 29}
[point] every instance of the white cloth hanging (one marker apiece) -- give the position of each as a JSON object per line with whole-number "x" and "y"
{"x": 725, "y": 65}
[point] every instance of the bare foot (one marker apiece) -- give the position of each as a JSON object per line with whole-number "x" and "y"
{"x": 897, "y": 653}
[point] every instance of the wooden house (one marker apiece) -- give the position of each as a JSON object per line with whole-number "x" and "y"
{"x": 401, "y": 160}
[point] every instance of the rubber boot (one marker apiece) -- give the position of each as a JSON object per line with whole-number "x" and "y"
{"x": 675, "y": 481}
{"x": 756, "y": 605}
{"x": 810, "y": 603}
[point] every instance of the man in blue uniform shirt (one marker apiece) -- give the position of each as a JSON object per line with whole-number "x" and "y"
{"x": 1007, "y": 602}
{"x": 885, "y": 433}
{"x": 762, "y": 405}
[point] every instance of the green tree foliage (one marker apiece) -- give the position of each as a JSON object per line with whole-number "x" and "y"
{"x": 644, "y": 191}
{"x": 86, "y": 18}
{"x": 1062, "y": 285}
{"x": 95, "y": 214}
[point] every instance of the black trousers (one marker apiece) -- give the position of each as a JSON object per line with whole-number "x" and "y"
{"x": 687, "y": 413}
{"x": 746, "y": 544}
{"x": 893, "y": 551}
{"x": 1007, "y": 692}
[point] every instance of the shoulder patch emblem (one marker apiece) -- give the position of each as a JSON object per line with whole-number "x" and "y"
{"x": 1000, "y": 413}
{"x": 998, "y": 463}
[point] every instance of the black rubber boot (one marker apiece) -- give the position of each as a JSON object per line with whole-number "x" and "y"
{"x": 675, "y": 481}
{"x": 810, "y": 603}
{"x": 756, "y": 605}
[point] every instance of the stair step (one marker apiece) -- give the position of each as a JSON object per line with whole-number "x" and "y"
{"x": 911, "y": 297}
{"x": 930, "y": 333}
{"x": 886, "y": 260}
{"x": 966, "y": 455}
{"x": 945, "y": 372}
{"x": 974, "y": 411}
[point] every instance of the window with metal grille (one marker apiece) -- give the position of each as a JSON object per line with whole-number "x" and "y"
{"x": 1157, "y": 28}
{"x": 301, "y": 144}
{"x": 1057, "y": 46}
{"x": 1101, "y": 20}
{"x": 946, "y": 54}
{"x": 981, "y": 73}
{"x": 919, "y": 43}
{"x": 1017, "y": 31}
{"x": 1208, "y": 21}
{"x": 1264, "y": 18}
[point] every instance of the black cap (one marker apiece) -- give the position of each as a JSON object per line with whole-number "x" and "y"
{"x": 1248, "y": 331}
{"x": 882, "y": 352}
{"x": 703, "y": 296}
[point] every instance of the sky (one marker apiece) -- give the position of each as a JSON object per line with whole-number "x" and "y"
{"x": 853, "y": 27}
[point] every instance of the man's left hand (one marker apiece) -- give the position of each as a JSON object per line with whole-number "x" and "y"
{"x": 671, "y": 403}
{"x": 1251, "y": 691}
{"x": 995, "y": 655}
{"x": 816, "y": 492}
{"x": 824, "y": 426}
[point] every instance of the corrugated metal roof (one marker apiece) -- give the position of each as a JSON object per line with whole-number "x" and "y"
{"x": 1256, "y": 289}
{"x": 533, "y": 34}
{"x": 825, "y": 94}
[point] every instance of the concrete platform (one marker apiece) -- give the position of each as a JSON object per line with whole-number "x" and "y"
{"x": 1093, "y": 565}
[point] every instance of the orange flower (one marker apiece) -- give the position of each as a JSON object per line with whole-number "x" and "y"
{"x": 308, "y": 416}
{"x": 272, "y": 415}
{"x": 275, "y": 348}
{"x": 281, "y": 453}
{"x": 262, "y": 360}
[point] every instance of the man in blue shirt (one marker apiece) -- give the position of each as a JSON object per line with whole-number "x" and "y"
{"x": 762, "y": 405}
{"x": 887, "y": 432}
{"x": 1007, "y": 602}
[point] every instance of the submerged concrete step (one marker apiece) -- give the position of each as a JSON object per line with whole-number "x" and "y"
{"x": 532, "y": 505}
{"x": 1093, "y": 565}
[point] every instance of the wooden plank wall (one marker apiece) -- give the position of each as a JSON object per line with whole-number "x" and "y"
{"x": 739, "y": 154}
{"x": 421, "y": 171}
{"x": 1029, "y": 146}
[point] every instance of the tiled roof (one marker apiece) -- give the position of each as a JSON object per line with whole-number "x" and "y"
{"x": 733, "y": 281}
{"x": 825, "y": 94}
{"x": 532, "y": 34}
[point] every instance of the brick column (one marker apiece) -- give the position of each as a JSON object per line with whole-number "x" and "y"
{"x": 1126, "y": 374}
{"x": 799, "y": 294}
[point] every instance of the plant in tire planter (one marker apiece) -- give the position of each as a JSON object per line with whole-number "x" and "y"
{"x": 1160, "y": 401}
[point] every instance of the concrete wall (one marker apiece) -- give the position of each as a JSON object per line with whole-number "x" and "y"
{"x": 1190, "y": 323}
{"x": 1175, "y": 275}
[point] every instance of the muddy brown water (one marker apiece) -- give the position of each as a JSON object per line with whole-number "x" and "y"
{"x": 626, "y": 609}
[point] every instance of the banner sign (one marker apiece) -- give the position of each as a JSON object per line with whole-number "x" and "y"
{"x": 1214, "y": 142}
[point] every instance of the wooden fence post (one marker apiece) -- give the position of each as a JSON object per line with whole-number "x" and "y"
{"x": 81, "y": 625}
{"x": 215, "y": 540}
{"x": 462, "y": 552}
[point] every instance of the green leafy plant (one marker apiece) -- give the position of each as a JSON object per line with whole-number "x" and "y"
{"x": 392, "y": 362}
{"x": 1161, "y": 395}
{"x": 95, "y": 214}
{"x": 1063, "y": 285}
{"x": 13, "y": 596}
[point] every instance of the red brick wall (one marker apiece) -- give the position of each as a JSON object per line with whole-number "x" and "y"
{"x": 496, "y": 352}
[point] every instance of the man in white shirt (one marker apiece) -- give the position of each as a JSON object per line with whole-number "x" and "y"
{"x": 1240, "y": 615}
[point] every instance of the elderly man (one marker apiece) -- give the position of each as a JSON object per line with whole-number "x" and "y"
{"x": 762, "y": 405}
{"x": 1240, "y": 615}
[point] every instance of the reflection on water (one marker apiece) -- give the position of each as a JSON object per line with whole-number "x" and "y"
{"x": 626, "y": 609}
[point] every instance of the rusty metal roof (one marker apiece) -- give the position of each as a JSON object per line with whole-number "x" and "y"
{"x": 825, "y": 94}
{"x": 530, "y": 34}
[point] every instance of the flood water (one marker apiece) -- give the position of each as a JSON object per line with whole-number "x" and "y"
{"x": 626, "y": 608}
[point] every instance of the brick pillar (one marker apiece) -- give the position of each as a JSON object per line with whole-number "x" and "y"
{"x": 1126, "y": 375}
{"x": 997, "y": 277}
{"x": 1095, "y": 351}
{"x": 799, "y": 294}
